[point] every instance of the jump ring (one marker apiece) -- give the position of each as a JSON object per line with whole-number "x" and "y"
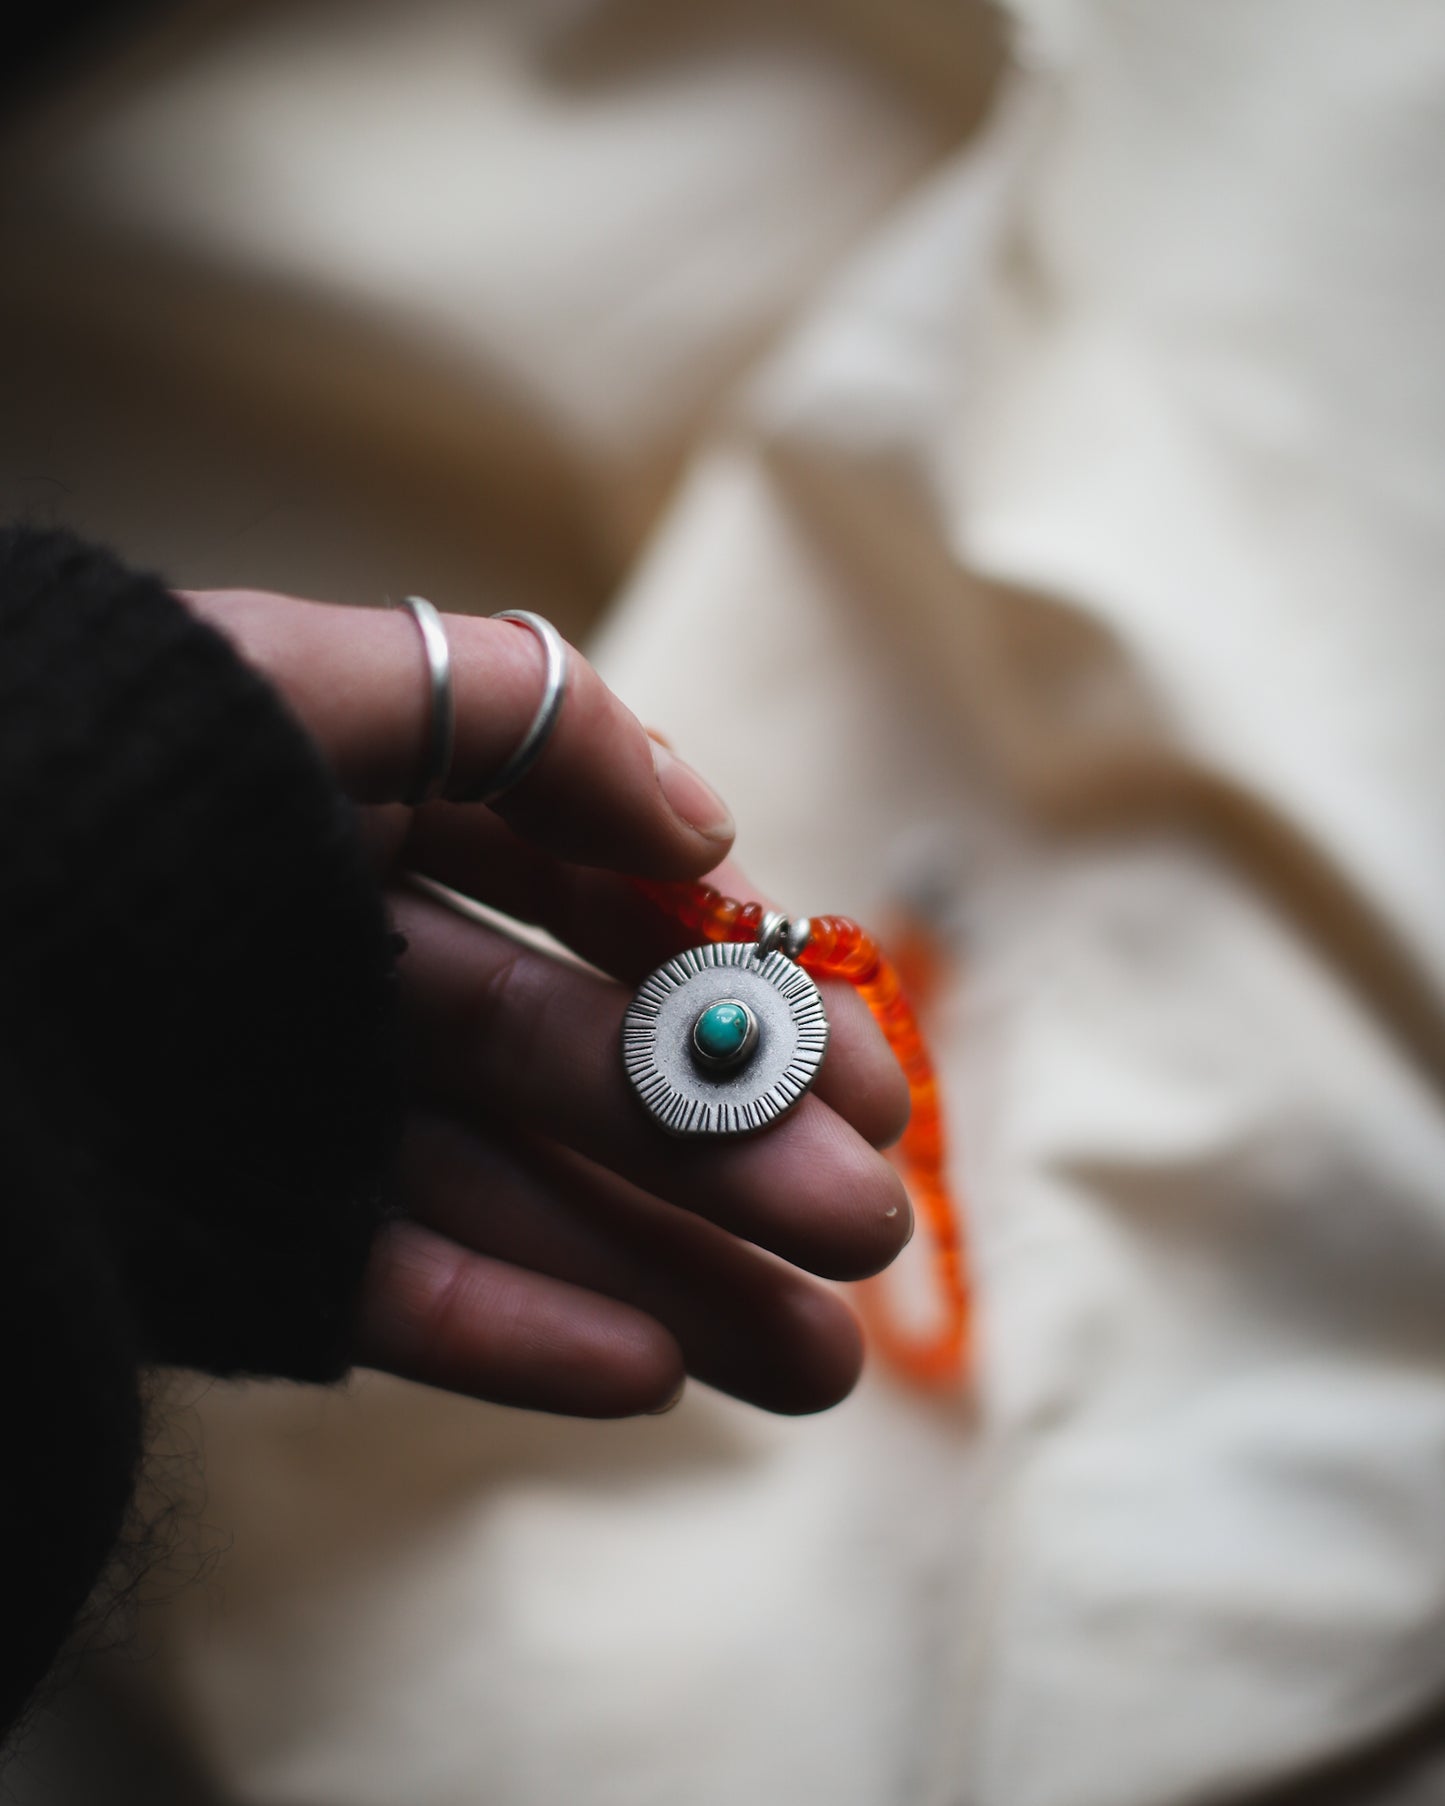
{"x": 441, "y": 736}
{"x": 554, "y": 691}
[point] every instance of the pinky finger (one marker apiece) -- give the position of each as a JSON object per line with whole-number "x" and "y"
{"x": 436, "y": 1312}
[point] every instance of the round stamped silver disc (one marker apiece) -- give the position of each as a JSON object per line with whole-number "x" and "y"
{"x": 657, "y": 1040}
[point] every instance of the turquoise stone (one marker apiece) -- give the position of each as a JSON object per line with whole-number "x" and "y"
{"x": 721, "y": 1031}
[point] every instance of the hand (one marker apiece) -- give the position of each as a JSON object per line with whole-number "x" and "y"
{"x": 558, "y": 1250}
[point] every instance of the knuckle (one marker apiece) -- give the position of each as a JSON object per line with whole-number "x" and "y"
{"x": 506, "y": 1012}
{"x": 467, "y": 1296}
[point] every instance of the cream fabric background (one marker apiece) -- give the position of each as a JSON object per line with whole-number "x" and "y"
{"x": 1081, "y": 477}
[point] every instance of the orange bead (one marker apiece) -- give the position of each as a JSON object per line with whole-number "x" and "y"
{"x": 839, "y": 948}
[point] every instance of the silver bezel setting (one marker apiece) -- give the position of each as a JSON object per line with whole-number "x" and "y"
{"x": 686, "y": 1097}
{"x": 740, "y": 1054}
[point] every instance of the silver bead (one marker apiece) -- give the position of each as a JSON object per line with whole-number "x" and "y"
{"x": 770, "y": 931}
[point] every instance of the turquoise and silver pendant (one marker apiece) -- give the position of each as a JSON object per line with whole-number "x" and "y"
{"x": 724, "y": 1039}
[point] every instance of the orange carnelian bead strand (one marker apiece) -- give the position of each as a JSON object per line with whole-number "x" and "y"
{"x": 839, "y": 948}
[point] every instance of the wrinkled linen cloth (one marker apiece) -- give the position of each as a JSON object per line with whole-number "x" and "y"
{"x": 1060, "y": 559}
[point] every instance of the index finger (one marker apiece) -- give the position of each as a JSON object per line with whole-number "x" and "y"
{"x": 601, "y": 793}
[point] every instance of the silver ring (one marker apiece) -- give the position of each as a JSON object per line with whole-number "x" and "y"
{"x": 554, "y": 691}
{"x": 441, "y": 734}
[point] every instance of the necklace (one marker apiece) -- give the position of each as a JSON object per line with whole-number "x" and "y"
{"x": 727, "y": 1037}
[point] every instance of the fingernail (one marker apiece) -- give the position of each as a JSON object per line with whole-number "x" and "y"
{"x": 672, "y": 1403}
{"x": 687, "y": 796}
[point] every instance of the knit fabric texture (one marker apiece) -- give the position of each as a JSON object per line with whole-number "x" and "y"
{"x": 199, "y": 1066}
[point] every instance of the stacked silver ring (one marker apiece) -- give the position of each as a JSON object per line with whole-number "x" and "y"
{"x": 441, "y": 729}
{"x": 554, "y": 691}
{"x": 441, "y": 732}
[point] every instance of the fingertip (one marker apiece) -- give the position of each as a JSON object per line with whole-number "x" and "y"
{"x": 825, "y": 1200}
{"x": 612, "y": 1359}
{"x": 828, "y": 1354}
{"x": 694, "y": 804}
{"x": 868, "y": 1198}
{"x": 645, "y": 1368}
{"x": 671, "y": 1403}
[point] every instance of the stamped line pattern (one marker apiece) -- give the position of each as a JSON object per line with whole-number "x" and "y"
{"x": 692, "y": 1111}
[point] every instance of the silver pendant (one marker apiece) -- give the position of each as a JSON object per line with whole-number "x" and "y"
{"x": 726, "y": 1038}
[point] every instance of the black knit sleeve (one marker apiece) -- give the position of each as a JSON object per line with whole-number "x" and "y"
{"x": 195, "y": 968}
{"x": 199, "y": 1088}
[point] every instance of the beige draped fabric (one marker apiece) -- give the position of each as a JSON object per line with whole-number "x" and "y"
{"x": 1039, "y": 523}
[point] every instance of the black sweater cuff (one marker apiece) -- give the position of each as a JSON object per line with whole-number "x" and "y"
{"x": 196, "y": 975}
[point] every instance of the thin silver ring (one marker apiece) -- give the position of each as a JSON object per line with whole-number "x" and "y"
{"x": 441, "y": 732}
{"x": 554, "y": 691}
